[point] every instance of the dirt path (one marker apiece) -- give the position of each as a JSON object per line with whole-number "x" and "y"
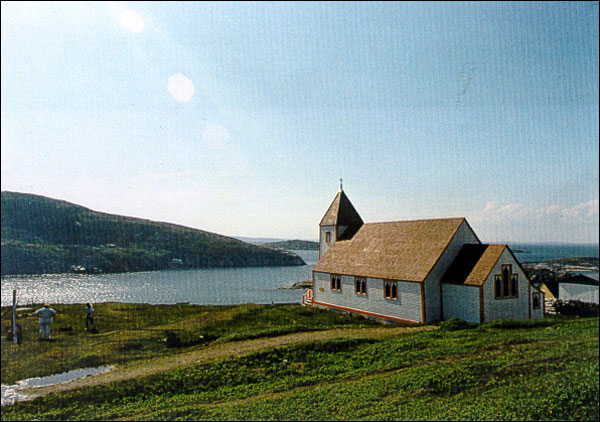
{"x": 216, "y": 352}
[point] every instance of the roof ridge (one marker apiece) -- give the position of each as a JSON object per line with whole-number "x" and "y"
{"x": 419, "y": 219}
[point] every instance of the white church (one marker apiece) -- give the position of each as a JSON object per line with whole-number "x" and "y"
{"x": 416, "y": 271}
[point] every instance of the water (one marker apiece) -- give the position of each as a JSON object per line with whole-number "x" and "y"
{"x": 544, "y": 251}
{"x": 207, "y": 286}
{"x": 227, "y": 286}
{"x": 10, "y": 393}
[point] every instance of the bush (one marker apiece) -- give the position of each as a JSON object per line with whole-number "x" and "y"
{"x": 518, "y": 323}
{"x": 454, "y": 324}
{"x": 576, "y": 308}
{"x": 185, "y": 339}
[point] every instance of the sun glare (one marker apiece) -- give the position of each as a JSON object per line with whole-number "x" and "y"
{"x": 132, "y": 20}
{"x": 181, "y": 88}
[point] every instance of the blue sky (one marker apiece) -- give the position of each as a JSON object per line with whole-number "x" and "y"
{"x": 240, "y": 118}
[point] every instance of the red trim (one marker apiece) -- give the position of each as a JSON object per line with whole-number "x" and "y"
{"x": 358, "y": 311}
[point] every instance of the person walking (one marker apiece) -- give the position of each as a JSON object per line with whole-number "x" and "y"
{"x": 46, "y": 313}
{"x": 89, "y": 316}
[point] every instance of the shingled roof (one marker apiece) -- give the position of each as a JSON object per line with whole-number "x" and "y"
{"x": 341, "y": 212}
{"x": 400, "y": 250}
{"x": 473, "y": 264}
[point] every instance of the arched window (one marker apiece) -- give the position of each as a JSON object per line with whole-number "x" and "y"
{"x": 363, "y": 286}
{"x": 335, "y": 283}
{"x": 505, "y": 279}
{"x": 394, "y": 290}
{"x": 535, "y": 301}
{"x": 506, "y": 284}
{"x": 498, "y": 286}
{"x": 387, "y": 290}
{"x": 514, "y": 285}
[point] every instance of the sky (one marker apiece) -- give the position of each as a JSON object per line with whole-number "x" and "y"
{"x": 241, "y": 118}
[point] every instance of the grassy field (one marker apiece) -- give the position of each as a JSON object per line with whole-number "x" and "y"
{"x": 526, "y": 370}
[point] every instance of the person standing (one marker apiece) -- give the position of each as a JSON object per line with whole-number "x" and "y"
{"x": 89, "y": 316}
{"x": 46, "y": 313}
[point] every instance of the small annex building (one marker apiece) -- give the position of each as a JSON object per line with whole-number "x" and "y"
{"x": 582, "y": 287}
{"x": 416, "y": 271}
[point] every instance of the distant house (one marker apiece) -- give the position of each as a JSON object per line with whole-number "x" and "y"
{"x": 580, "y": 287}
{"x": 416, "y": 271}
{"x": 176, "y": 263}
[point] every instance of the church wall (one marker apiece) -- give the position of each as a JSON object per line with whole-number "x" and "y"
{"x": 433, "y": 300}
{"x": 461, "y": 301}
{"x": 323, "y": 245}
{"x": 506, "y": 307}
{"x": 406, "y": 307}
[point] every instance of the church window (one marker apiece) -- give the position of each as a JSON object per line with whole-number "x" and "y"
{"x": 498, "y": 285}
{"x": 536, "y": 300}
{"x": 328, "y": 237}
{"x": 335, "y": 283}
{"x": 360, "y": 286}
{"x": 390, "y": 290}
{"x": 505, "y": 277}
{"x": 506, "y": 284}
{"x": 514, "y": 285}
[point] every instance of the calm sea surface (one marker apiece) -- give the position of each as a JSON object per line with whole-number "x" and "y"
{"x": 206, "y": 286}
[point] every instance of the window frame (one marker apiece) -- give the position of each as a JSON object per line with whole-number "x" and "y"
{"x": 506, "y": 283}
{"x": 392, "y": 284}
{"x": 335, "y": 282}
{"x": 497, "y": 286}
{"x": 360, "y": 286}
{"x": 328, "y": 237}
{"x": 534, "y": 296}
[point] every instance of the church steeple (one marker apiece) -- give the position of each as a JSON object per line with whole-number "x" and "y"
{"x": 340, "y": 222}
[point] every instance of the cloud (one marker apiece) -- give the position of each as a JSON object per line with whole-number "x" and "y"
{"x": 181, "y": 87}
{"x": 132, "y": 20}
{"x": 494, "y": 211}
{"x": 587, "y": 210}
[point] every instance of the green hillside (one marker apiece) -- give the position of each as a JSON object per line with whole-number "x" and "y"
{"x": 44, "y": 235}
{"x": 299, "y": 245}
{"x": 270, "y": 362}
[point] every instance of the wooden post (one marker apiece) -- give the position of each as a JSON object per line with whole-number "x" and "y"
{"x": 14, "y": 318}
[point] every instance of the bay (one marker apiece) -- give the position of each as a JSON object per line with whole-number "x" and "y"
{"x": 532, "y": 252}
{"x": 221, "y": 286}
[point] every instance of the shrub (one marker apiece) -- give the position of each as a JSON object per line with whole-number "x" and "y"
{"x": 518, "y": 323}
{"x": 454, "y": 324}
{"x": 576, "y": 308}
{"x": 185, "y": 339}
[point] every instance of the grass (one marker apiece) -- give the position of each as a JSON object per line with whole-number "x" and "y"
{"x": 529, "y": 370}
{"x": 134, "y": 332}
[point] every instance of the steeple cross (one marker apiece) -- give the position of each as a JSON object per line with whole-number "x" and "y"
{"x": 341, "y": 180}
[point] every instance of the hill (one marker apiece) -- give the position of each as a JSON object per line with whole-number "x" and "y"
{"x": 45, "y": 235}
{"x": 269, "y": 362}
{"x": 299, "y": 245}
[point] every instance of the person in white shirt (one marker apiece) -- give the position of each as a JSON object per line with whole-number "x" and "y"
{"x": 46, "y": 313}
{"x": 89, "y": 316}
